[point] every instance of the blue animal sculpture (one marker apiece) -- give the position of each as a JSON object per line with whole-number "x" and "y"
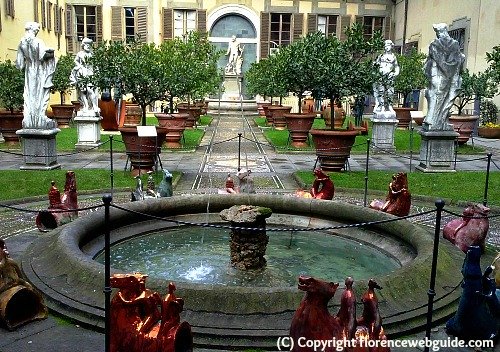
{"x": 165, "y": 188}
{"x": 478, "y": 313}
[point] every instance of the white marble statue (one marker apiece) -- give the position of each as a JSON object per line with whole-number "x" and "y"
{"x": 235, "y": 56}
{"x": 442, "y": 69}
{"x": 87, "y": 94}
{"x": 39, "y": 64}
{"x": 383, "y": 90}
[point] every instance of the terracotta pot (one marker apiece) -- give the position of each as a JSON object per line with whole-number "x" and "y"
{"x": 9, "y": 124}
{"x": 338, "y": 117}
{"x": 403, "y": 116}
{"x": 464, "y": 125}
{"x": 175, "y": 124}
{"x": 110, "y": 115}
{"x": 133, "y": 114}
{"x": 418, "y": 120}
{"x": 142, "y": 151}
{"x": 277, "y": 112}
{"x": 268, "y": 114}
{"x": 298, "y": 126}
{"x": 76, "y": 104}
{"x": 203, "y": 105}
{"x": 260, "y": 107}
{"x": 193, "y": 111}
{"x": 62, "y": 114}
{"x": 489, "y": 132}
{"x": 308, "y": 105}
{"x": 333, "y": 147}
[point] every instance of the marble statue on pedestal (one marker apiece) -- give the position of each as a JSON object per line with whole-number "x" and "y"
{"x": 39, "y": 65}
{"x": 235, "y": 56}
{"x": 383, "y": 89}
{"x": 442, "y": 69}
{"x": 87, "y": 94}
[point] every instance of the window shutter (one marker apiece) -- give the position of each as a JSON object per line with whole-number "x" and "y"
{"x": 387, "y": 28}
{"x": 49, "y": 16}
{"x": 201, "y": 21}
{"x": 168, "y": 15}
{"x": 0, "y": 19}
{"x": 312, "y": 23}
{"x": 44, "y": 15}
{"x": 35, "y": 10}
{"x": 9, "y": 8}
{"x": 69, "y": 21}
{"x": 142, "y": 24}
{"x": 57, "y": 19}
{"x": 298, "y": 24}
{"x": 98, "y": 13}
{"x": 116, "y": 23}
{"x": 264, "y": 35}
{"x": 345, "y": 22}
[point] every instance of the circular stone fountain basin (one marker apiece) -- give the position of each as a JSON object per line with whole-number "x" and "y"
{"x": 73, "y": 281}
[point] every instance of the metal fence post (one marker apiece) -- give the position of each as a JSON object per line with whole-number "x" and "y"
{"x": 485, "y": 198}
{"x": 239, "y": 151}
{"x": 111, "y": 161}
{"x": 366, "y": 170}
{"x": 107, "y": 198}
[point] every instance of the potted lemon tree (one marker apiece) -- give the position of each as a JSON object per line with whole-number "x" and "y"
{"x": 62, "y": 112}
{"x": 11, "y": 100}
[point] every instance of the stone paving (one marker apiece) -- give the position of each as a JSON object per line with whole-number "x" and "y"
{"x": 203, "y": 171}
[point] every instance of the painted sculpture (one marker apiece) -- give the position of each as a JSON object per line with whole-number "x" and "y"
{"x": 478, "y": 315}
{"x": 137, "y": 324}
{"x": 398, "y": 200}
{"x": 62, "y": 208}
{"x": 165, "y": 188}
{"x": 322, "y": 187}
{"x": 19, "y": 302}
{"x": 470, "y": 230}
{"x": 313, "y": 321}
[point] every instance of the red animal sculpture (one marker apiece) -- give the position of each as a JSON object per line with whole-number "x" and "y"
{"x": 470, "y": 230}
{"x": 311, "y": 320}
{"x": 398, "y": 200}
{"x": 55, "y": 216}
{"x": 322, "y": 187}
{"x": 137, "y": 325}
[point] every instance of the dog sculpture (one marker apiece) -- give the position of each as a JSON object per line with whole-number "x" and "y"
{"x": 398, "y": 200}
{"x": 322, "y": 187}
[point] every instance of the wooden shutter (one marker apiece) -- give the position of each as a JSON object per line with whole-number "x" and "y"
{"x": 44, "y": 15}
{"x": 57, "y": 19}
{"x": 298, "y": 24}
{"x": 116, "y": 23}
{"x": 201, "y": 21}
{"x": 345, "y": 22}
{"x": 0, "y": 18}
{"x": 168, "y": 23}
{"x": 98, "y": 14}
{"x": 264, "y": 35}
{"x": 70, "y": 47}
{"x": 9, "y": 8}
{"x": 387, "y": 27}
{"x": 142, "y": 24}
{"x": 35, "y": 10}
{"x": 312, "y": 23}
{"x": 49, "y": 16}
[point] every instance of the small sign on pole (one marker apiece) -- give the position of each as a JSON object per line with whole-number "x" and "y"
{"x": 146, "y": 131}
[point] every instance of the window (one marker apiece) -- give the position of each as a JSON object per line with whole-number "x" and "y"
{"x": 85, "y": 17}
{"x": 281, "y": 29}
{"x": 371, "y": 24}
{"x": 129, "y": 23}
{"x": 459, "y": 35}
{"x": 9, "y": 8}
{"x": 327, "y": 24}
{"x": 49, "y": 16}
{"x": 184, "y": 22}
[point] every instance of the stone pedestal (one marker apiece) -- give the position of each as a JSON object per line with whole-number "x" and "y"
{"x": 233, "y": 98}
{"x": 89, "y": 130}
{"x": 233, "y": 87}
{"x": 437, "y": 151}
{"x": 384, "y": 124}
{"x": 39, "y": 148}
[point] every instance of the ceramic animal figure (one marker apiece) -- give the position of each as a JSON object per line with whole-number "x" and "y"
{"x": 137, "y": 325}
{"x": 151, "y": 187}
{"x": 246, "y": 184}
{"x": 322, "y": 187}
{"x": 69, "y": 199}
{"x": 347, "y": 311}
{"x": 165, "y": 189}
{"x": 477, "y": 316}
{"x": 138, "y": 193}
{"x": 398, "y": 200}
{"x": 470, "y": 230}
{"x": 312, "y": 319}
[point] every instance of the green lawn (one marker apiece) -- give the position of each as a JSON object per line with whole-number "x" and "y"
{"x": 279, "y": 139}
{"x": 444, "y": 185}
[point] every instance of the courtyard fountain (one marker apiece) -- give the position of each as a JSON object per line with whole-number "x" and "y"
{"x": 72, "y": 279}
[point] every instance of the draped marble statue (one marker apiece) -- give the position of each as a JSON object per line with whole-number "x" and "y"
{"x": 383, "y": 90}
{"x": 442, "y": 69}
{"x": 87, "y": 94}
{"x": 235, "y": 59}
{"x": 39, "y": 64}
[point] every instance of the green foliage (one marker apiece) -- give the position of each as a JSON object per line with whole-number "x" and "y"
{"x": 493, "y": 59}
{"x": 475, "y": 86}
{"x": 411, "y": 75}
{"x": 262, "y": 78}
{"x": 11, "y": 86}
{"x": 489, "y": 112}
{"x": 60, "y": 80}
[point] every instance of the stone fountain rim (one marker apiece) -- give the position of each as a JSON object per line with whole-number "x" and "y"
{"x": 66, "y": 273}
